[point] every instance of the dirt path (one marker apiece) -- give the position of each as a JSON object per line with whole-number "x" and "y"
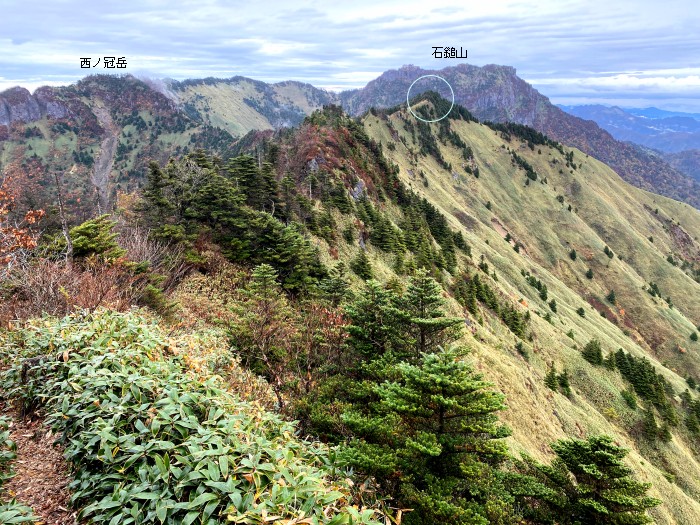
{"x": 42, "y": 477}
{"x": 105, "y": 159}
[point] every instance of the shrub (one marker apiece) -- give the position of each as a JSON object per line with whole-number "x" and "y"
{"x": 10, "y": 512}
{"x": 148, "y": 439}
{"x": 629, "y": 398}
{"x": 611, "y": 297}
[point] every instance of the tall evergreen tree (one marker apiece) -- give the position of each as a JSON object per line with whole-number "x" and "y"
{"x": 268, "y": 194}
{"x": 591, "y": 484}
{"x": 551, "y": 378}
{"x": 361, "y": 265}
{"x": 336, "y": 287}
{"x": 244, "y": 171}
{"x": 435, "y": 439}
{"x": 377, "y": 324}
{"x": 424, "y": 303}
{"x": 592, "y": 352}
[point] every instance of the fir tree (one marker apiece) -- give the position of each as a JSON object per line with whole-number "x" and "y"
{"x": 336, "y": 287}
{"x": 423, "y": 302}
{"x": 581, "y": 311}
{"x": 553, "y": 305}
{"x": 651, "y": 429}
{"x": 589, "y": 274}
{"x": 572, "y": 254}
{"x": 611, "y": 297}
{"x": 243, "y": 170}
{"x": 592, "y": 352}
{"x": 268, "y": 195}
{"x": 591, "y": 484}
{"x": 610, "y": 362}
{"x": 95, "y": 237}
{"x": 264, "y": 333}
{"x": 377, "y": 324}
{"x": 435, "y": 439}
{"x": 362, "y": 266}
{"x": 564, "y": 383}
{"x": 551, "y": 378}
{"x": 157, "y": 205}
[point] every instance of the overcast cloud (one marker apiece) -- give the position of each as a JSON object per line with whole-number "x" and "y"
{"x": 630, "y": 52}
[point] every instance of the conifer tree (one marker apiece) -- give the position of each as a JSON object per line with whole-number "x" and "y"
{"x": 95, "y": 237}
{"x": 610, "y": 362}
{"x": 591, "y": 484}
{"x": 157, "y": 205}
{"x": 563, "y": 379}
{"x": 377, "y": 324}
{"x": 592, "y": 352}
{"x": 268, "y": 194}
{"x": 435, "y": 440}
{"x": 651, "y": 429}
{"x": 551, "y": 378}
{"x": 264, "y": 333}
{"x": 611, "y": 297}
{"x": 423, "y": 302}
{"x": 361, "y": 265}
{"x": 382, "y": 235}
{"x": 336, "y": 287}
{"x": 553, "y": 305}
{"x": 589, "y": 274}
{"x": 244, "y": 171}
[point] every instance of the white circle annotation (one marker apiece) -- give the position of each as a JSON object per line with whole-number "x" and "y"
{"x": 408, "y": 103}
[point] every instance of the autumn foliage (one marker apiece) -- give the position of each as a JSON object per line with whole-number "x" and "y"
{"x": 16, "y": 237}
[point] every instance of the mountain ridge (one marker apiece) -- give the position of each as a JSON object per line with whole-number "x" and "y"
{"x": 220, "y": 110}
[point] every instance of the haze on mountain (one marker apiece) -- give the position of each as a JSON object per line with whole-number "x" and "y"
{"x": 670, "y": 133}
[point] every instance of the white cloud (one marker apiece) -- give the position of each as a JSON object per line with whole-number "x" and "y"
{"x": 565, "y": 47}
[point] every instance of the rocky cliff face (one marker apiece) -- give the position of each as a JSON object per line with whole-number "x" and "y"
{"x": 19, "y": 105}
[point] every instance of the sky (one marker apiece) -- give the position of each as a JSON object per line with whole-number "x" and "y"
{"x": 632, "y": 53}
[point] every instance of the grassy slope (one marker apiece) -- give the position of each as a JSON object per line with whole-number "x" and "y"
{"x": 222, "y": 105}
{"x": 609, "y": 212}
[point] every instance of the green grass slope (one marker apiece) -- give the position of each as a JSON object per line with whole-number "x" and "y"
{"x": 605, "y": 211}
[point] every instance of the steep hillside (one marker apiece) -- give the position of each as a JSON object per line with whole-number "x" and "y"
{"x": 496, "y": 93}
{"x": 586, "y": 209}
{"x": 577, "y": 293}
{"x": 571, "y": 251}
{"x": 97, "y": 136}
{"x": 686, "y": 161}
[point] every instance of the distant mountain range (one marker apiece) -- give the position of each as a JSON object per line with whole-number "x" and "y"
{"x": 70, "y": 127}
{"x": 674, "y": 135}
{"x": 662, "y": 130}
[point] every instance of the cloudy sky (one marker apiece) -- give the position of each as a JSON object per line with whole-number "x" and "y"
{"x": 627, "y": 52}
